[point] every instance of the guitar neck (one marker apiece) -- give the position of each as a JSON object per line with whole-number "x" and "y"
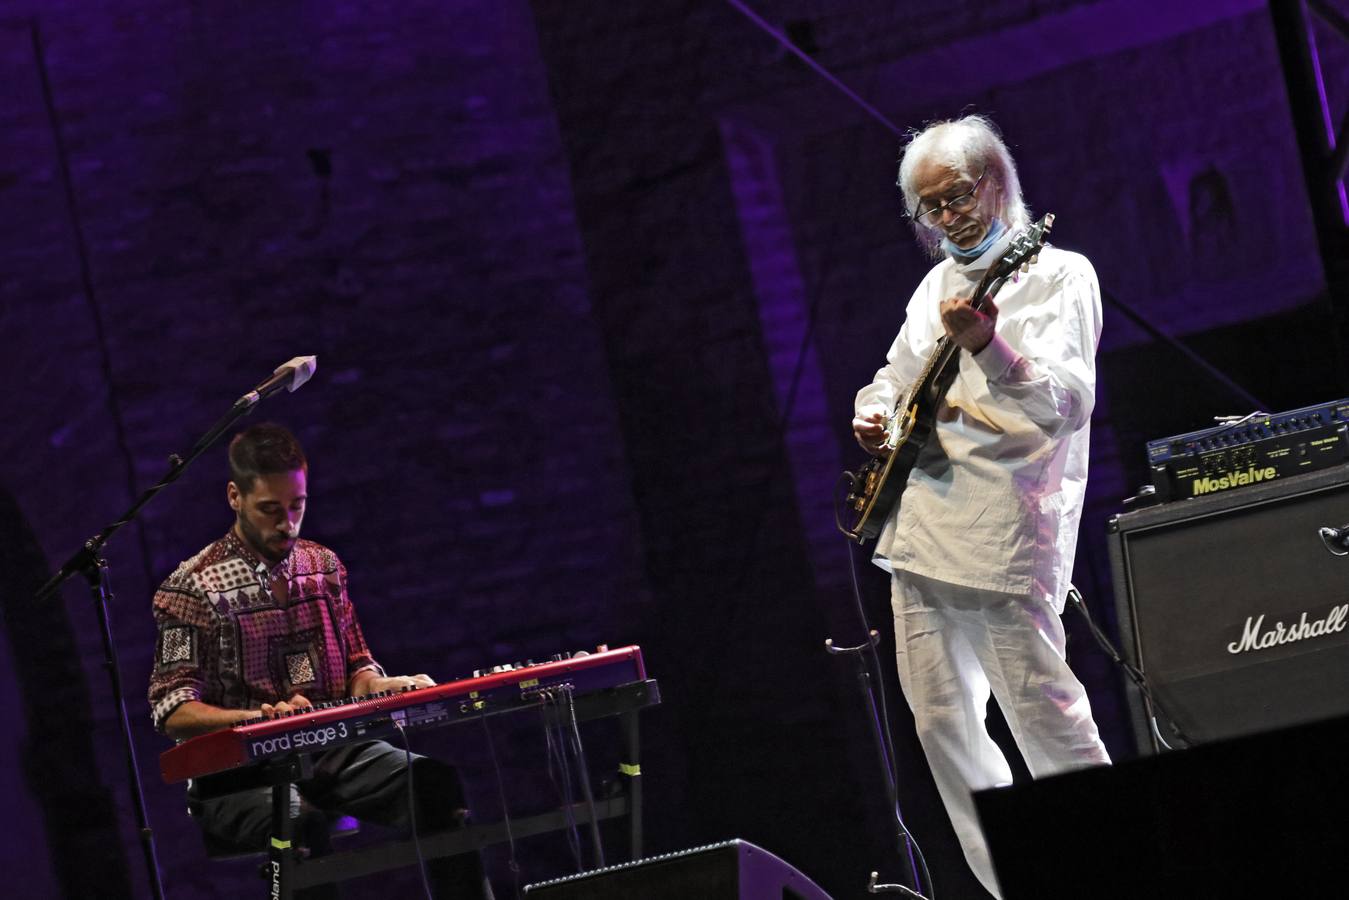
{"x": 989, "y": 285}
{"x": 938, "y": 371}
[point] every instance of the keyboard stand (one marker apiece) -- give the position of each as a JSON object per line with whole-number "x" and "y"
{"x": 288, "y": 871}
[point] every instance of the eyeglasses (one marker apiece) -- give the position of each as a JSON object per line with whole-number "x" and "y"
{"x": 962, "y": 204}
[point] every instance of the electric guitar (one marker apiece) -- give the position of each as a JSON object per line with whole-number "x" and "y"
{"x": 875, "y": 488}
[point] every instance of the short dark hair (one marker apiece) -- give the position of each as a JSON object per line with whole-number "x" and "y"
{"x": 264, "y": 449}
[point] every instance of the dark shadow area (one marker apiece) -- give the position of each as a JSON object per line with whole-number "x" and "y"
{"x": 80, "y": 817}
{"x": 1287, "y": 360}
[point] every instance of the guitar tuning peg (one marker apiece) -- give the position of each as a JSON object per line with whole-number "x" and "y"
{"x": 1025, "y": 268}
{"x": 1035, "y": 259}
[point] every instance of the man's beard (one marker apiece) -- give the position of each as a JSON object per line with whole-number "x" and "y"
{"x": 272, "y": 552}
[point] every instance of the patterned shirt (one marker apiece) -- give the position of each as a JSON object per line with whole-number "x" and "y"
{"x": 224, "y": 639}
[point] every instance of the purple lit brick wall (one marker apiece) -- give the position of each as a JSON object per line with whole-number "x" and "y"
{"x": 753, "y": 697}
{"x": 591, "y": 288}
{"x": 466, "y": 458}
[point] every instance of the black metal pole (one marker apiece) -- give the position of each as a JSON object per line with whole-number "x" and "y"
{"x": 280, "y": 852}
{"x": 632, "y": 768}
{"x": 884, "y": 753}
{"x": 1305, "y": 77}
{"x": 100, "y": 591}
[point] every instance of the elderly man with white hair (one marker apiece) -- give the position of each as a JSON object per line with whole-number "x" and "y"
{"x": 981, "y": 545}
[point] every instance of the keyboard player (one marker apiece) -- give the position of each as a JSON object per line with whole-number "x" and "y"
{"x": 258, "y": 624}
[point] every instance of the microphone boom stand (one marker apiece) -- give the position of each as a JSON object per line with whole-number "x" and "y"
{"x": 878, "y": 718}
{"x": 885, "y": 754}
{"x": 89, "y": 562}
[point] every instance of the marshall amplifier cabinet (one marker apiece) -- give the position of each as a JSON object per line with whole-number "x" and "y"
{"x": 1233, "y": 608}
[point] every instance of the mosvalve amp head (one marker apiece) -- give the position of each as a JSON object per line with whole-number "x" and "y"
{"x": 1257, "y": 449}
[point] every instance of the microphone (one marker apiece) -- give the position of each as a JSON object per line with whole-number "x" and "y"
{"x": 1336, "y": 539}
{"x": 289, "y": 375}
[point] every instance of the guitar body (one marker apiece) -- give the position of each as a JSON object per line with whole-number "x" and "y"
{"x": 875, "y": 489}
{"x": 880, "y": 482}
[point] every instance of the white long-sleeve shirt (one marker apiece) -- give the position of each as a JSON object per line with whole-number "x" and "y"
{"x": 995, "y": 497}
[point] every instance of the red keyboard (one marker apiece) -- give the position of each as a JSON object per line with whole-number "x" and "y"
{"x": 366, "y": 718}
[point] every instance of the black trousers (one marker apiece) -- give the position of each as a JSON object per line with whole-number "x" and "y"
{"x": 368, "y": 781}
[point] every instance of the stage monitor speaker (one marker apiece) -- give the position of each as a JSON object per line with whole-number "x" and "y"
{"x": 733, "y": 870}
{"x": 1233, "y": 608}
{"x": 1255, "y": 816}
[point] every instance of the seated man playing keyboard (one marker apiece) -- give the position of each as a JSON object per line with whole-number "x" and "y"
{"x": 259, "y": 624}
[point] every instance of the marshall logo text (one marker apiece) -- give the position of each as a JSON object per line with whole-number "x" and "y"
{"x": 1253, "y": 639}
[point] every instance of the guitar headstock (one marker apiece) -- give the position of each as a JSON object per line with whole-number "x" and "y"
{"x": 1024, "y": 250}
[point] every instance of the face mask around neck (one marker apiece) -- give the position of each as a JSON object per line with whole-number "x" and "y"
{"x": 996, "y": 229}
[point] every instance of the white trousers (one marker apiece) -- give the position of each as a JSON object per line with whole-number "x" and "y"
{"x": 954, "y": 644}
